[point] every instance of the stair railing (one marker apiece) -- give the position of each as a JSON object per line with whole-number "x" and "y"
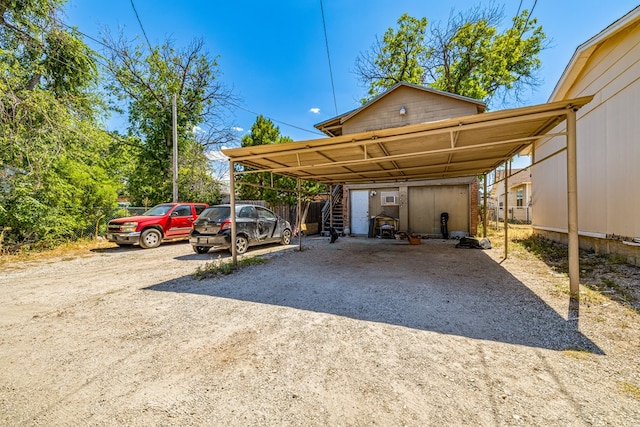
{"x": 333, "y": 200}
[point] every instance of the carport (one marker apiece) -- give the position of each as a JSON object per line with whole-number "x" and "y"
{"x": 462, "y": 146}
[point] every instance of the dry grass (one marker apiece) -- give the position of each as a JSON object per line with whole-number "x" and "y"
{"x": 603, "y": 278}
{"x": 631, "y": 390}
{"x": 66, "y": 251}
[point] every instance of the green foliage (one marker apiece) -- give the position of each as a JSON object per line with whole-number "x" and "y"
{"x": 54, "y": 159}
{"x": 469, "y": 56}
{"x": 222, "y": 267}
{"x": 477, "y": 61}
{"x": 146, "y": 81}
{"x": 397, "y": 59}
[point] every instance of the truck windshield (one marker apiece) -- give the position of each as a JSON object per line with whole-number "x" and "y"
{"x": 216, "y": 213}
{"x": 159, "y": 210}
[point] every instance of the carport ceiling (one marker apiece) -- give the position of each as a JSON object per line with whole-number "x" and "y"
{"x": 461, "y": 146}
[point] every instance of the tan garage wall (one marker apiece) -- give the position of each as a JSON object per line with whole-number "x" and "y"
{"x": 427, "y": 203}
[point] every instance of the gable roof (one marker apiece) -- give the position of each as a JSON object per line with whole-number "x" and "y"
{"x": 332, "y": 127}
{"x": 584, "y": 52}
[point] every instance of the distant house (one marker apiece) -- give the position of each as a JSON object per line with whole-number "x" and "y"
{"x": 416, "y": 205}
{"x": 519, "y": 195}
{"x": 608, "y": 153}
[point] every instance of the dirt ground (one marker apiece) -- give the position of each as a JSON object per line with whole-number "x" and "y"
{"x": 358, "y": 333}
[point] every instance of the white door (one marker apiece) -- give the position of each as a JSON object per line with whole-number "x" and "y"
{"x": 359, "y": 212}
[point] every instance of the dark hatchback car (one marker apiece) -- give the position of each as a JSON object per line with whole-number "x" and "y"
{"x": 255, "y": 225}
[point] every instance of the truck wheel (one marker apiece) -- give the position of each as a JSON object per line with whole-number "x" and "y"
{"x": 286, "y": 237}
{"x": 150, "y": 238}
{"x": 241, "y": 245}
{"x": 201, "y": 249}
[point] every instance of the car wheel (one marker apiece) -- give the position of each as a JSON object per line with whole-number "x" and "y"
{"x": 201, "y": 249}
{"x": 150, "y": 238}
{"x": 286, "y": 237}
{"x": 241, "y": 244}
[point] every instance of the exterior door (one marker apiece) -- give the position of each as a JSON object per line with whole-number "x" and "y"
{"x": 266, "y": 223}
{"x": 359, "y": 212}
{"x": 180, "y": 221}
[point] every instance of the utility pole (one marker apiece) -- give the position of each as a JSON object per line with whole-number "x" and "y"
{"x": 175, "y": 148}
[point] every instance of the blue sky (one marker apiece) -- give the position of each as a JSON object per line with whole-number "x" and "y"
{"x": 274, "y": 57}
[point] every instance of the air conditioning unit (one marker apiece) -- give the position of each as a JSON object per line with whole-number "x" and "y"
{"x": 389, "y": 198}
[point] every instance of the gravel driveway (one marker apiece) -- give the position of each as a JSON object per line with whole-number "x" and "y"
{"x": 357, "y": 333}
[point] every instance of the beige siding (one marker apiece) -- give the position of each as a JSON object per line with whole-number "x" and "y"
{"x": 427, "y": 203}
{"x": 420, "y": 107}
{"x": 608, "y": 147}
{"x": 376, "y": 208}
{"x": 516, "y": 213}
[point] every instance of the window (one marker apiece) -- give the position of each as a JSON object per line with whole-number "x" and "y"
{"x": 247, "y": 212}
{"x": 182, "y": 211}
{"x": 520, "y": 197}
{"x": 266, "y": 214}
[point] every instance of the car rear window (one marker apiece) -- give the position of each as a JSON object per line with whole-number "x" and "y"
{"x": 216, "y": 213}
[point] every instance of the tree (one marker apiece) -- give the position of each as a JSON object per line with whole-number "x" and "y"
{"x": 468, "y": 56}
{"x": 145, "y": 82}
{"x": 50, "y": 141}
{"x": 397, "y": 58}
{"x": 471, "y": 58}
{"x": 273, "y": 188}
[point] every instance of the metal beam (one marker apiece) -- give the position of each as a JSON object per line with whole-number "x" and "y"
{"x": 385, "y": 136}
{"x": 299, "y": 215}
{"x": 506, "y": 209}
{"x": 412, "y": 155}
{"x": 484, "y": 206}
{"x": 572, "y": 205}
{"x": 232, "y": 204}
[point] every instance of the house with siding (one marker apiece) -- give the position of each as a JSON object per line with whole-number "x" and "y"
{"x": 414, "y": 206}
{"x": 519, "y": 195}
{"x": 606, "y": 66}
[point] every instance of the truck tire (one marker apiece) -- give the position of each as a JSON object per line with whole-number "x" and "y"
{"x": 150, "y": 238}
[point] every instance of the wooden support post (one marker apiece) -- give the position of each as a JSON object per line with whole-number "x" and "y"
{"x": 572, "y": 206}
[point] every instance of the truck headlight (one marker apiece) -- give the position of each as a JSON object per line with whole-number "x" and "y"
{"x": 129, "y": 227}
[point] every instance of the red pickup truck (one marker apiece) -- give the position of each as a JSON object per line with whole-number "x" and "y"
{"x": 168, "y": 221}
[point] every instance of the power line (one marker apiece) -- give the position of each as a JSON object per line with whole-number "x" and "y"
{"x": 141, "y": 27}
{"x": 326, "y": 42}
{"x": 278, "y": 121}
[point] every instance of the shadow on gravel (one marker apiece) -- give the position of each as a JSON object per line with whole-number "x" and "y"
{"x": 135, "y": 247}
{"x": 432, "y": 287}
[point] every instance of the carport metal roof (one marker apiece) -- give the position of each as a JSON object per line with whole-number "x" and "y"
{"x": 460, "y": 146}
